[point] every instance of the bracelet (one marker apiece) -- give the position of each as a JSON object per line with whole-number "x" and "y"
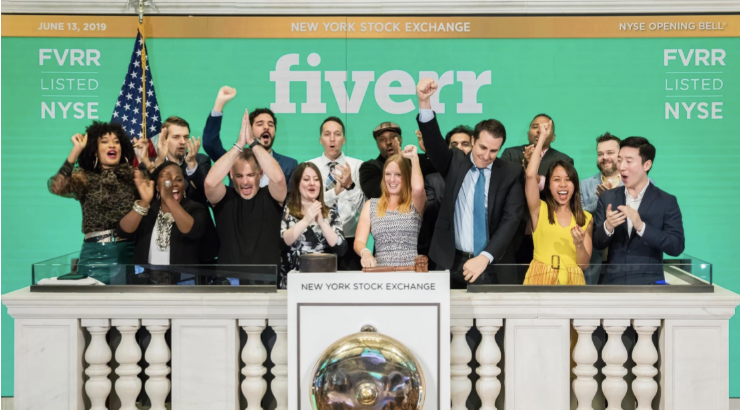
{"x": 140, "y": 209}
{"x": 238, "y": 148}
{"x": 366, "y": 249}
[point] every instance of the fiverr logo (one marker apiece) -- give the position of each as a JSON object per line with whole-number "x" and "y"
{"x": 389, "y": 83}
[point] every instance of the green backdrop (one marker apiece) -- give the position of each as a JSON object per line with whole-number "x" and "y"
{"x": 588, "y": 86}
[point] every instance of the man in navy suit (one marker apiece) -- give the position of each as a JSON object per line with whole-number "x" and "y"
{"x": 637, "y": 222}
{"x": 264, "y": 126}
{"x": 483, "y": 201}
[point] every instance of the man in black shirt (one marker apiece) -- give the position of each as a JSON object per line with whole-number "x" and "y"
{"x": 247, "y": 216}
{"x": 388, "y": 138}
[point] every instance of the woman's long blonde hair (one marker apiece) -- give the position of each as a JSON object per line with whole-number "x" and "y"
{"x": 404, "y": 203}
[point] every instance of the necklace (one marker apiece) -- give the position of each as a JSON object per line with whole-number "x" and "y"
{"x": 164, "y": 228}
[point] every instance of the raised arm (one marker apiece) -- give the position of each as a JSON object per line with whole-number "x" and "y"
{"x": 214, "y": 183}
{"x": 59, "y": 184}
{"x": 532, "y": 183}
{"x": 130, "y": 223}
{"x": 435, "y": 146}
{"x": 361, "y": 235}
{"x": 212, "y": 131}
{"x": 418, "y": 195}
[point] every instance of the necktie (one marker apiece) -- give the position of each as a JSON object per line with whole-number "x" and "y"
{"x": 330, "y": 181}
{"x": 480, "y": 227}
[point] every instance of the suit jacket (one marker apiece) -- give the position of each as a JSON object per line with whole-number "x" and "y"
{"x": 215, "y": 149}
{"x": 634, "y": 259}
{"x": 434, "y": 185}
{"x": 189, "y": 248}
{"x": 505, "y": 199}
{"x": 195, "y": 183}
{"x": 371, "y": 174}
{"x": 516, "y": 155}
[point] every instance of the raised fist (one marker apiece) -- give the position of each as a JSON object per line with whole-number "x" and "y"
{"x": 226, "y": 94}
{"x": 426, "y": 88}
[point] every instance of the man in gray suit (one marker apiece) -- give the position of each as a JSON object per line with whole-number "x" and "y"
{"x": 607, "y": 151}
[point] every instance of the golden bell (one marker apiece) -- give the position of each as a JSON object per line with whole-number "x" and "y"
{"x": 367, "y": 370}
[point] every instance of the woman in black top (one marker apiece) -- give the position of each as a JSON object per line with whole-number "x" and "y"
{"x": 168, "y": 229}
{"x": 308, "y": 225}
{"x": 103, "y": 183}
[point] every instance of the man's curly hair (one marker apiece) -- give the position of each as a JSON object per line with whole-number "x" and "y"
{"x": 95, "y": 131}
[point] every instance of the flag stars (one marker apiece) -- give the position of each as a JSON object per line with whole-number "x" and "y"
{"x": 138, "y": 53}
{"x": 156, "y": 107}
{"x": 148, "y": 103}
{"x": 134, "y": 75}
{"x": 133, "y": 120}
{"x": 115, "y": 114}
{"x": 130, "y": 85}
{"x": 125, "y": 117}
{"x": 153, "y": 128}
{"x": 150, "y": 93}
{"x": 127, "y": 107}
{"x": 137, "y": 64}
{"x": 136, "y": 110}
{"x": 138, "y": 100}
{"x": 129, "y": 96}
{"x": 118, "y": 103}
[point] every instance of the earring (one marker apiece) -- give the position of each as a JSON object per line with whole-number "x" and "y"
{"x": 95, "y": 165}
{"x": 157, "y": 194}
{"x": 126, "y": 159}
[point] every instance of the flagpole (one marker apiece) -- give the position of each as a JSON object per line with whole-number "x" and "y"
{"x": 143, "y": 68}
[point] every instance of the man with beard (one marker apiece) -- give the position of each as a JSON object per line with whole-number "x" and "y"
{"x": 247, "y": 216}
{"x": 174, "y": 144}
{"x": 388, "y": 139}
{"x": 264, "y": 127}
{"x": 607, "y": 151}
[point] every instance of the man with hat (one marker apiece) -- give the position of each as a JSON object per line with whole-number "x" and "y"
{"x": 388, "y": 139}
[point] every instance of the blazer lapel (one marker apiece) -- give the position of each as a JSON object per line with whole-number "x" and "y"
{"x": 493, "y": 185}
{"x": 460, "y": 176}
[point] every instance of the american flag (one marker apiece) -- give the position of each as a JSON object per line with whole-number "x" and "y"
{"x": 137, "y": 102}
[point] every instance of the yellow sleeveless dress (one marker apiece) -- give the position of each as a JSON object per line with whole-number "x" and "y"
{"x": 554, "y": 260}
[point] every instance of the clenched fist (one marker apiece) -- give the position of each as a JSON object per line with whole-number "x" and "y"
{"x": 424, "y": 91}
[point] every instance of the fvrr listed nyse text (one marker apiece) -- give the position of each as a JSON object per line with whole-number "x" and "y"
{"x": 65, "y": 77}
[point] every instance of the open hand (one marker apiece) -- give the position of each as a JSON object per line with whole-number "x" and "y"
{"x": 343, "y": 175}
{"x": 141, "y": 149}
{"x": 145, "y": 187}
{"x": 603, "y": 187}
{"x": 193, "y": 148}
{"x": 614, "y": 218}
{"x": 633, "y": 215}
{"x": 245, "y": 134}
{"x": 162, "y": 145}
{"x": 312, "y": 212}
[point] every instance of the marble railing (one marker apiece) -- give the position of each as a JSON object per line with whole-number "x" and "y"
{"x": 532, "y": 350}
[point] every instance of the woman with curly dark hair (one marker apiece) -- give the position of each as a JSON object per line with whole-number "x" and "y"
{"x": 103, "y": 182}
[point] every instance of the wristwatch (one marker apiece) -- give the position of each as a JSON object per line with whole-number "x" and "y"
{"x": 254, "y": 143}
{"x": 351, "y": 187}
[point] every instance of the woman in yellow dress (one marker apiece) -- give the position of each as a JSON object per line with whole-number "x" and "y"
{"x": 561, "y": 229}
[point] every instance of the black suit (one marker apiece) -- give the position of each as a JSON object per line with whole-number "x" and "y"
{"x": 434, "y": 186}
{"x": 371, "y": 174}
{"x": 189, "y": 248}
{"x": 505, "y": 208}
{"x": 634, "y": 259}
{"x": 516, "y": 155}
{"x": 195, "y": 190}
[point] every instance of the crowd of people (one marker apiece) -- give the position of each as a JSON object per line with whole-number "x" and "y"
{"x": 477, "y": 214}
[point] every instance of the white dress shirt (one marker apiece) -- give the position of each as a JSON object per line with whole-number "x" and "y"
{"x": 349, "y": 202}
{"x": 633, "y": 203}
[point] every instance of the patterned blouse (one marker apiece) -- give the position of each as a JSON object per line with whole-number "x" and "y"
{"x": 312, "y": 240}
{"x": 105, "y": 196}
{"x": 396, "y": 235}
